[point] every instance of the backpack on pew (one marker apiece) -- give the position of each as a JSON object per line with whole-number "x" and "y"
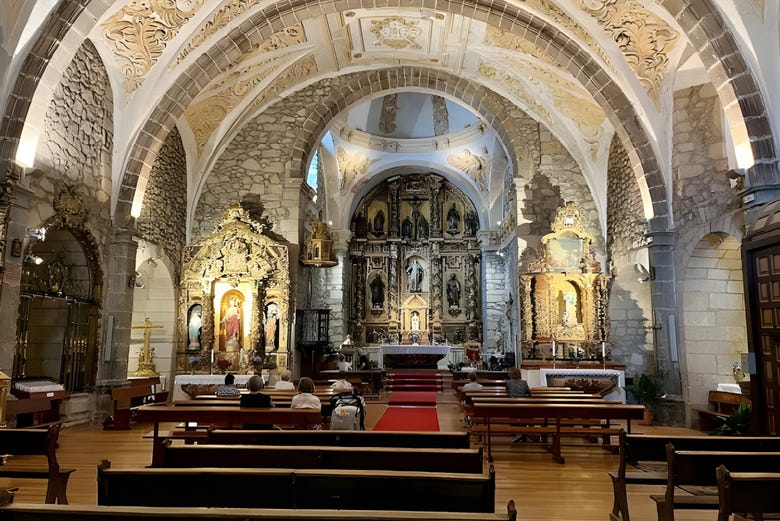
{"x": 348, "y": 412}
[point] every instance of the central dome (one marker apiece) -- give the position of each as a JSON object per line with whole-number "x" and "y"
{"x": 410, "y": 115}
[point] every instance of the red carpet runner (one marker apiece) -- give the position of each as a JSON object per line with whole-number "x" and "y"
{"x": 412, "y": 398}
{"x": 408, "y": 419}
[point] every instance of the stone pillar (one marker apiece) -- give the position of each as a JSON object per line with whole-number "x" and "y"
{"x": 336, "y": 279}
{"x": 18, "y": 208}
{"x": 118, "y": 307}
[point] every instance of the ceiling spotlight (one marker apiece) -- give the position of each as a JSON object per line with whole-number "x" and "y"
{"x": 39, "y": 234}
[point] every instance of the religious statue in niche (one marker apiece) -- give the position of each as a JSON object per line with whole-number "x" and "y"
{"x": 453, "y": 291}
{"x": 422, "y": 228}
{"x": 231, "y": 320}
{"x": 415, "y": 326}
{"x": 379, "y": 223}
{"x": 453, "y": 220}
{"x": 271, "y": 327}
{"x": 377, "y": 293}
{"x": 406, "y": 229}
{"x": 194, "y": 327}
{"x": 415, "y": 276}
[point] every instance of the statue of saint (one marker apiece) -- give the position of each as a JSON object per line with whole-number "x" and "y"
{"x": 471, "y": 223}
{"x": 194, "y": 327}
{"x": 232, "y": 321}
{"x": 422, "y": 228}
{"x": 271, "y": 326}
{"x": 377, "y": 293}
{"x": 453, "y": 291}
{"x": 406, "y": 229}
{"x": 415, "y": 321}
{"x": 453, "y": 220}
{"x": 415, "y": 276}
{"x": 379, "y": 222}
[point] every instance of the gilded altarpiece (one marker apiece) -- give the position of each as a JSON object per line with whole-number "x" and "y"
{"x": 415, "y": 264}
{"x": 235, "y": 298}
{"x": 565, "y": 295}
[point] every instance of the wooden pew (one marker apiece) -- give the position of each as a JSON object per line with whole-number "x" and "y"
{"x": 224, "y": 416}
{"x": 297, "y": 488}
{"x": 756, "y": 493}
{"x": 557, "y": 412}
{"x": 690, "y": 468}
{"x": 443, "y": 440}
{"x": 721, "y": 405}
{"x": 643, "y": 460}
{"x": 322, "y": 457}
{"x": 36, "y": 442}
{"x": 128, "y": 398}
{"x": 31, "y": 512}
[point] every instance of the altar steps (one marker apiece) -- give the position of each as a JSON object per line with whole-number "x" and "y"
{"x": 413, "y": 381}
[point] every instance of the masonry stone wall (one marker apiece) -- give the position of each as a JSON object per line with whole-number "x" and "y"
{"x": 630, "y": 306}
{"x": 164, "y": 211}
{"x": 75, "y": 147}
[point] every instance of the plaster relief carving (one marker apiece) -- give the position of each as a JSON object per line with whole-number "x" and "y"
{"x": 303, "y": 68}
{"x": 644, "y": 38}
{"x": 475, "y": 166}
{"x": 389, "y": 112}
{"x": 139, "y": 32}
{"x": 396, "y": 32}
{"x": 351, "y": 165}
{"x": 516, "y": 88}
{"x": 513, "y": 42}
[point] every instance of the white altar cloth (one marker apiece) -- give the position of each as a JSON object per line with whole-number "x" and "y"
{"x": 426, "y": 349}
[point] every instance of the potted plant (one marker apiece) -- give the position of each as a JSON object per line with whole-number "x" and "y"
{"x": 737, "y": 424}
{"x": 645, "y": 391}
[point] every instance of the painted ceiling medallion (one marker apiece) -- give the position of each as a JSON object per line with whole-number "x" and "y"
{"x": 139, "y": 32}
{"x": 396, "y": 32}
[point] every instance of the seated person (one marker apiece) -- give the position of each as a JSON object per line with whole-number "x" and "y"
{"x": 228, "y": 388}
{"x": 341, "y": 386}
{"x": 516, "y": 387}
{"x": 473, "y": 385}
{"x": 284, "y": 383}
{"x": 255, "y": 398}
{"x": 305, "y": 399}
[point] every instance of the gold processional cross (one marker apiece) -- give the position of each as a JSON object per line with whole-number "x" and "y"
{"x": 145, "y": 364}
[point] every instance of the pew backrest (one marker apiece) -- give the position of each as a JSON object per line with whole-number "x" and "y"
{"x": 752, "y": 492}
{"x": 443, "y": 440}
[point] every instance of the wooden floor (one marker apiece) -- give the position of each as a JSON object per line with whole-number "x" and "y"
{"x": 579, "y": 490}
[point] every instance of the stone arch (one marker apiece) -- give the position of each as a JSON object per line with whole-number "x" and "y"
{"x": 704, "y": 26}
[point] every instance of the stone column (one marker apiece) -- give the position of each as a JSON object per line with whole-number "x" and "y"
{"x": 118, "y": 307}
{"x": 18, "y": 209}
{"x": 336, "y": 279}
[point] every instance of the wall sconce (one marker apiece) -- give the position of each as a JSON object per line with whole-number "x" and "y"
{"x": 33, "y": 259}
{"x": 39, "y": 234}
{"x": 645, "y": 275}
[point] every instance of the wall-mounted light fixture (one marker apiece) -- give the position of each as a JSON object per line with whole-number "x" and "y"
{"x": 39, "y": 234}
{"x": 33, "y": 259}
{"x": 645, "y": 274}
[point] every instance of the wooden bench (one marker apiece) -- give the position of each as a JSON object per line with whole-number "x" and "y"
{"x": 31, "y": 512}
{"x": 721, "y": 405}
{"x": 322, "y": 457}
{"x": 549, "y": 420}
{"x": 297, "y": 488}
{"x": 643, "y": 460}
{"x": 224, "y": 416}
{"x": 757, "y": 493}
{"x": 690, "y": 470}
{"x": 128, "y": 398}
{"x": 36, "y": 442}
{"x": 443, "y": 440}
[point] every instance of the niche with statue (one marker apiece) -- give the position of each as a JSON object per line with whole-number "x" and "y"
{"x": 565, "y": 296}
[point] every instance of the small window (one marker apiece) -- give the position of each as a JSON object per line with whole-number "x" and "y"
{"x": 311, "y": 177}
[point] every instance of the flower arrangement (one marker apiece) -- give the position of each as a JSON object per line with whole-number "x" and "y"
{"x": 224, "y": 364}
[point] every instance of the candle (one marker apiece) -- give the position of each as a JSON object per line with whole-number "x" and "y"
{"x": 553, "y": 349}
{"x": 212, "y": 357}
{"x": 603, "y": 351}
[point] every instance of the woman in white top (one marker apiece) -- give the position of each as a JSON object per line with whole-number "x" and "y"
{"x": 305, "y": 399}
{"x": 284, "y": 383}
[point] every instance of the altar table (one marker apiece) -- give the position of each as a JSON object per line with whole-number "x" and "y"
{"x": 422, "y": 355}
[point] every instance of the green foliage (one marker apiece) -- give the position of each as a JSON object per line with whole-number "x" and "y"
{"x": 644, "y": 389}
{"x": 737, "y": 424}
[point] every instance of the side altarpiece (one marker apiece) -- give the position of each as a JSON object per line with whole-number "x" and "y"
{"x": 565, "y": 295}
{"x": 415, "y": 264}
{"x": 235, "y": 297}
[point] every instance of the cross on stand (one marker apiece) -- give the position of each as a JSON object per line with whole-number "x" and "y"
{"x": 145, "y": 364}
